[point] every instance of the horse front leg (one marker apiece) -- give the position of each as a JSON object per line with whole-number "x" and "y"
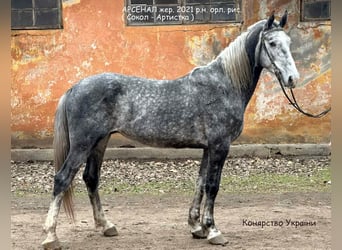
{"x": 217, "y": 155}
{"x": 194, "y": 212}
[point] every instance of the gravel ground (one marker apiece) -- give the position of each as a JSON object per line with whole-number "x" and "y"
{"x": 37, "y": 177}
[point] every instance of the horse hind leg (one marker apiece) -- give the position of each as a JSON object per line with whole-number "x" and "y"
{"x": 62, "y": 182}
{"x": 51, "y": 241}
{"x": 194, "y": 222}
{"x": 91, "y": 177}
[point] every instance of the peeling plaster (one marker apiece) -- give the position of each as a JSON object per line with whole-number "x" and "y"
{"x": 15, "y": 99}
{"x": 42, "y": 97}
{"x": 269, "y": 101}
{"x": 263, "y": 9}
{"x": 203, "y": 48}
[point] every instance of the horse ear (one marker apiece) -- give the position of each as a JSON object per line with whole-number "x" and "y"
{"x": 269, "y": 22}
{"x": 283, "y": 20}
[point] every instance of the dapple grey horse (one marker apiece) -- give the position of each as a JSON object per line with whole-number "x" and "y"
{"x": 203, "y": 109}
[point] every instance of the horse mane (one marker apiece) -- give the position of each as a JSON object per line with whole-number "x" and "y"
{"x": 235, "y": 60}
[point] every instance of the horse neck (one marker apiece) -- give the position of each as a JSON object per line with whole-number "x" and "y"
{"x": 251, "y": 45}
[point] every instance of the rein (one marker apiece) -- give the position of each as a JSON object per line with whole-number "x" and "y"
{"x": 277, "y": 72}
{"x": 294, "y": 103}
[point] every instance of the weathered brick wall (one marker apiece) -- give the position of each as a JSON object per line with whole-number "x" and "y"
{"x": 95, "y": 39}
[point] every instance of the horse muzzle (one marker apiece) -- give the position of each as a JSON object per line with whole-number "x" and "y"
{"x": 290, "y": 83}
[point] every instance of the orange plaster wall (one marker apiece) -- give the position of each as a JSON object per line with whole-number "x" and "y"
{"x": 96, "y": 39}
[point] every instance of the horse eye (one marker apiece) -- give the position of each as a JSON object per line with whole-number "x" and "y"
{"x": 273, "y": 44}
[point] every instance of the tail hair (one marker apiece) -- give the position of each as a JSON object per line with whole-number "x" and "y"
{"x": 61, "y": 145}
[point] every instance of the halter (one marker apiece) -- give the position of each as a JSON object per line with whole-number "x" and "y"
{"x": 277, "y": 72}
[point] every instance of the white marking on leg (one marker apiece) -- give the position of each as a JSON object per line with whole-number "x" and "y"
{"x": 197, "y": 227}
{"x": 51, "y": 222}
{"x": 213, "y": 232}
{"x": 215, "y": 237}
{"x": 108, "y": 228}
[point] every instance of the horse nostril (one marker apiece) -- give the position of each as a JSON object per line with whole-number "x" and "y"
{"x": 291, "y": 82}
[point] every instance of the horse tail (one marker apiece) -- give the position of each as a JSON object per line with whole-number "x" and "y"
{"x": 61, "y": 146}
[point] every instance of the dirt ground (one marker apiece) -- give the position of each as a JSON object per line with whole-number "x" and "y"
{"x": 147, "y": 221}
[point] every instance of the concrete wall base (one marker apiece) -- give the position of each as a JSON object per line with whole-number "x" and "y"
{"x": 246, "y": 150}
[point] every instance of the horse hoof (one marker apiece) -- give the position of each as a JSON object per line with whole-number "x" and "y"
{"x": 110, "y": 231}
{"x": 49, "y": 244}
{"x": 216, "y": 238}
{"x": 199, "y": 233}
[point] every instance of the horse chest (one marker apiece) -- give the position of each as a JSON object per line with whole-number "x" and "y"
{"x": 227, "y": 118}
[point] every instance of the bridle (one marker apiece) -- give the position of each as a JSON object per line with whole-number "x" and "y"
{"x": 277, "y": 72}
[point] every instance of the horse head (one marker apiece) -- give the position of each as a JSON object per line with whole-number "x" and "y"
{"x": 273, "y": 51}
